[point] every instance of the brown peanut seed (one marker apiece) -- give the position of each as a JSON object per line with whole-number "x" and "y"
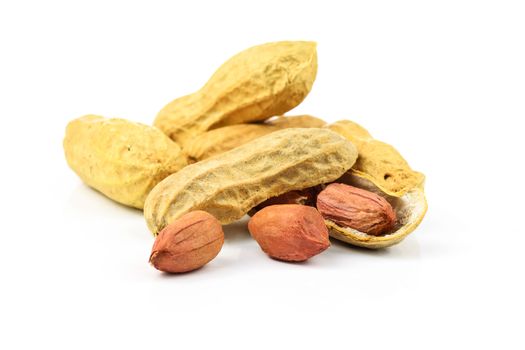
{"x": 187, "y": 243}
{"x": 289, "y": 232}
{"x": 356, "y": 208}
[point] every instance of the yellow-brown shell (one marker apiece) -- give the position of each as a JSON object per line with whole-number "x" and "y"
{"x": 223, "y": 139}
{"x": 410, "y": 209}
{"x": 258, "y": 83}
{"x": 296, "y": 121}
{"x": 379, "y": 162}
{"x": 230, "y": 184}
{"x": 121, "y": 159}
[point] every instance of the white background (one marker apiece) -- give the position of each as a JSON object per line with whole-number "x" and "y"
{"x": 443, "y": 81}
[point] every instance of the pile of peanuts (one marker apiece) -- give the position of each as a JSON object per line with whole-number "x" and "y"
{"x": 228, "y": 150}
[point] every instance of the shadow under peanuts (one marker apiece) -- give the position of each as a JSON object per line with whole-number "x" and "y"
{"x": 181, "y": 275}
{"x": 237, "y": 231}
{"x": 407, "y": 249}
{"x": 85, "y": 201}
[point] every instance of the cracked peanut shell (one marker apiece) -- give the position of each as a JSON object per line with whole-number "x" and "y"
{"x": 410, "y": 208}
{"x": 257, "y": 83}
{"x": 379, "y": 162}
{"x": 121, "y": 159}
{"x": 230, "y": 184}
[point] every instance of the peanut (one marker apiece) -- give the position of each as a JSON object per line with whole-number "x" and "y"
{"x": 409, "y": 212}
{"x": 230, "y": 184}
{"x": 379, "y": 162}
{"x": 289, "y": 232}
{"x": 353, "y": 207}
{"x": 223, "y": 139}
{"x": 256, "y": 84}
{"x": 187, "y": 243}
{"x": 121, "y": 159}
{"x": 308, "y": 196}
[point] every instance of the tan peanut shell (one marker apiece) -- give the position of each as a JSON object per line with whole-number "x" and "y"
{"x": 296, "y": 121}
{"x": 255, "y": 84}
{"x": 121, "y": 159}
{"x": 410, "y": 209}
{"x": 379, "y": 162}
{"x": 223, "y": 139}
{"x": 230, "y": 184}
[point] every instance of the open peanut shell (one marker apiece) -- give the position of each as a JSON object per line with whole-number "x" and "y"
{"x": 410, "y": 209}
{"x": 378, "y": 161}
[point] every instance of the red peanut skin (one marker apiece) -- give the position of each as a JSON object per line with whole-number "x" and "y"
{"x": 306, "y": 196}
{"x": 356, "y": 208}
{"x": 188, "y": 243}
{"x": 289, "y": 232}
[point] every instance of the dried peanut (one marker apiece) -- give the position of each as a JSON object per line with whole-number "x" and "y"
{"x": 256, "y": 84}
{"x": 379, "y": 162}
{"x": 187, "y": 243}
{"x": 409, "y": 210}
{"x": 289, "y": 232}
{"x": 230, "y": 184}
{"x": 356, "y": 208}
{"x": 223, "y": 139}
{"x": 119, "y": 158}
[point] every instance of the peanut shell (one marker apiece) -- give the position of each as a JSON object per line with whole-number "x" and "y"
{"x": 410, "y": 209}
{"x": 230, "y": 184}
{"x": 296, "y": 121}
{"x": 223, "y": 139}
{"x": 256, "y": 84}
{"x": 379, "y": 162}
{"x": 121, "y": 159}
